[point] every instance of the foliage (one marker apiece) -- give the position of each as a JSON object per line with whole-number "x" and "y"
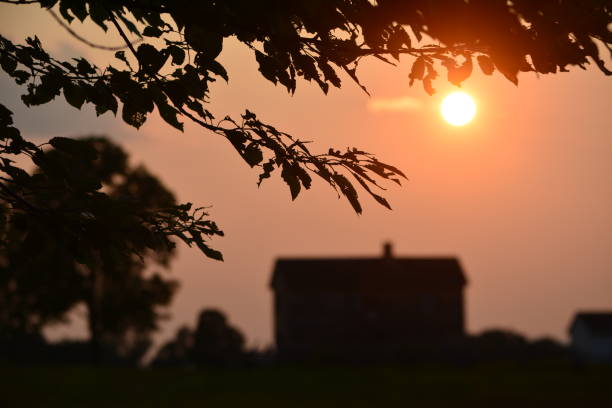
{"x": 171, "y": 67}
{"x": 63, "y": 207}
{"x": 43, "y": 276}
{"x": 214, "y": 342}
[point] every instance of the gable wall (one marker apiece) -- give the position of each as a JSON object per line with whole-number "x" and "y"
{"x": 334, "y": 322}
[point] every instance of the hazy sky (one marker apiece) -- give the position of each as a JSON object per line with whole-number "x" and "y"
{"x": 522, "y": 195}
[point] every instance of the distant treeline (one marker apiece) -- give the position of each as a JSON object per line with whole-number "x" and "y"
{"x": 215, "y": 343}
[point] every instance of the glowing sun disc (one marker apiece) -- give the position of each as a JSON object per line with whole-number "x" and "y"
{"x": 458, "y": 108}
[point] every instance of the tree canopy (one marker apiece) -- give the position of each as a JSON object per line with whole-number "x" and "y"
{"x": 42, "y": 279}
{"x": 171, "y": 56}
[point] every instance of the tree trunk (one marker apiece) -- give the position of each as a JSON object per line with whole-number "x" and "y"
{"x": 94, "y": 323}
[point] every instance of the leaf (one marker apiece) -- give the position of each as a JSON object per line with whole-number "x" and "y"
{"x": 418, "y": 70}
{"x": 268, "y": 168}
{"x": 215, "y": 67}
{"x": 486, "y": 65}
{"x": 79, "y": 10}
{"x": 267, "y": 66}
{"x": 6, "y": 116}
{"x": 101, "y": 96}
{"x": 328, "y": 72}
{"x": 303, "y": 176}
{"x": 381, "y": 200}
{"x": 151, "y": 31}
{"x": 84, "y": 67}
{"x": 347, "y": 189}
{"x": 428, "y": 79}
{"x": 458, "y": 74}
{"x": 507, "y": 66}
{"x": 177, "y": 54}
{"x": 133, "y": 114}
{"x": 353, "y": 75}
{"x": 291, "y": 178}
{"x": 74, "y": 95}
{"x": 252, "y": 155}
{"x": 207, "y": 42}
{"x": 398, "y": 37}
{"x": 150, "y": 59}
{"x": 8, "y": 64}
{"x": 98, "y": 15}
{"x": 128, "y": 24}
{"x": 176, "y": 92}
{"x": 64, "y": 11}
{"x": 48, "y": 3}
{"x": 169, "y": 114}
{"x": 237, "y": 138}
{"x": 209, "y": 252}
{"x": 121, "y": 56}
{"x": 20, "y": 76}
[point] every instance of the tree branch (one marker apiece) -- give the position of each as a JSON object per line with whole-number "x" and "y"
{"x": 86, "y": 41}
{"x": 128, "y": 43}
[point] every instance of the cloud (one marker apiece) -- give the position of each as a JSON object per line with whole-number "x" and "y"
{"x": 399, "y": 104}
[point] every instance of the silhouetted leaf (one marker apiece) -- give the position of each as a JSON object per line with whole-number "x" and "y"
{"x": 347, "y": 189}
{"x": 428, "y": 79}
{"x": 381, "y": 200}
{"x": 151, "y": 31}
{"x": 267, "y": 169}
{"x": 290, "y": 177}
{"x": 121, "y": 55}
{"x": 134, "y": 114}
{"x": 178, "y": 54}
{"x": 218, "y": 69}
{"x": 253, "y": 155}
{"x": 209, "y": 252}
{"x": 458, "y": 74}
{"x": 207, "y": 42}
{"x": 150, "y": 58}
{"x": 486, "y": 65}
{"x": 74, "y": 94}
{"x": 7, "y": 63}
{"x": 418, "y": 70}
{"x": 169, "y": 114}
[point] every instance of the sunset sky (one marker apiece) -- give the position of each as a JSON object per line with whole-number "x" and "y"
{"x": 522, "y": 194}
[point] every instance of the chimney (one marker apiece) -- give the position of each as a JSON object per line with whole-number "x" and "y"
{"x": 387, "y": 250}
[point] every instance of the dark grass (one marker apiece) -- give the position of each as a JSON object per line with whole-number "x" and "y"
{"x": 502, "y": 385}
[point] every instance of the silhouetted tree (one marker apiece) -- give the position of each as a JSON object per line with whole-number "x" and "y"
{"x": 213, "y": 343}
{"x": 171, "y": 54}
{"x": 176, "y": 352}
{"x": 507, "y": 345}
{"x": 41, "y": 279}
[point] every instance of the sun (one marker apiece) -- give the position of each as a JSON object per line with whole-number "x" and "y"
{"x": 458, "y": 108}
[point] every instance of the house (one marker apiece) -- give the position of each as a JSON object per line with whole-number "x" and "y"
{"x": 591, "y": 336}
{"x": 358, "y": 307}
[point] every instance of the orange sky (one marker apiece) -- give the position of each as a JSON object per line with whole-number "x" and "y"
{"x": 522, "y": 195}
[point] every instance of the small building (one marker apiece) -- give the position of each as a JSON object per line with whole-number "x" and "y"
{"x": 591, "y": 336}
{"x": 355, "y": 308}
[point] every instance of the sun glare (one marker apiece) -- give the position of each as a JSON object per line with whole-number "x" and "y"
{"x": 458, "y": 108}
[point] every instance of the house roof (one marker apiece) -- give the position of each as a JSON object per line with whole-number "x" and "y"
{"x": 598, "y": 323}
{"x": 357, "y": 274}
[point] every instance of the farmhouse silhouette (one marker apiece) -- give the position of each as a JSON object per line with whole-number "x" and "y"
{"x": 366, "y": 308}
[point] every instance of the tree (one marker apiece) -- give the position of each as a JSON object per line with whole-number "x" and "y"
{"x": 214, "y": 343}
{"x": 41, "y": 280}
{"x": 171, "y": 56}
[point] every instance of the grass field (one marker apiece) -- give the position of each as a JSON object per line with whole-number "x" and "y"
{"x": 490, "y": 386}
